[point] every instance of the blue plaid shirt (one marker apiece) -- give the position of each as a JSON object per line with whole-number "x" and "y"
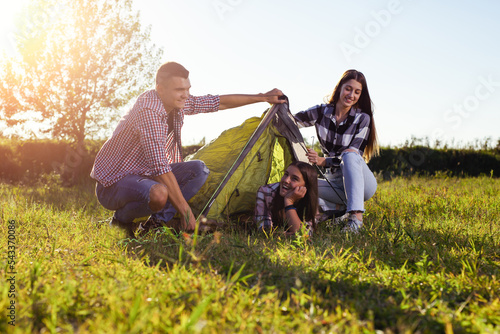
{"x": 351, "y": 133}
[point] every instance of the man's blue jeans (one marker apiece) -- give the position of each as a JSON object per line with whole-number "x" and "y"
{"x": 129, "y": 197}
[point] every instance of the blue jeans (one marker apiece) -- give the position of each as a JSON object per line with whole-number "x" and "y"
{"x": 354, "y": 183}
{"x": 129, "y": 197}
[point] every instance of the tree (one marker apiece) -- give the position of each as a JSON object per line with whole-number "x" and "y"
{"x": 80, "y": 61}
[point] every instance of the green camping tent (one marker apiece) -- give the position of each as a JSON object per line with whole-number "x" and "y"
{"x": 244, "y": 158}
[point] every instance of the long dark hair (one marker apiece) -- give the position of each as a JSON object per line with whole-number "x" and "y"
{"x": 307, "y": 206}
{"x": 364, "y": 103}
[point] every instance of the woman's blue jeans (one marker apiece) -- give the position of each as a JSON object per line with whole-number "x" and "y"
{"x": 354, "y": 184}
{"x": 129, "y": 197}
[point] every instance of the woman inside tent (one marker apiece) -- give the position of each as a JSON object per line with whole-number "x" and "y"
{"x": 289, "y": 202}
{"x": 346, "y": 132}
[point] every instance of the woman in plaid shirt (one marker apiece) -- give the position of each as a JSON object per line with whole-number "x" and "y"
{"x": 346, "y": 132}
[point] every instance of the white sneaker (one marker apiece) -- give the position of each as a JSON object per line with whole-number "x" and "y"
{"x": 338, "y": 221}
{"x": 336, "y": 217}
{"x": 353, "y": 224}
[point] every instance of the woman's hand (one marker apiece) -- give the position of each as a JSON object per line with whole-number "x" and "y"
{"x": 294, "y": 195}
{"x": 291, "y": 197}
{"x": 314, "y": 158}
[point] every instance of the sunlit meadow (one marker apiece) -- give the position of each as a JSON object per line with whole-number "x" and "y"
{"x": 428, "y": 260}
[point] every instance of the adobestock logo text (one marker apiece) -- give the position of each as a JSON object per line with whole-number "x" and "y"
{"x": 373, "y": 28}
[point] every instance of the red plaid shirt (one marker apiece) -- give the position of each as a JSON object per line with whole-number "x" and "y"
{"x": 142, "y": 144}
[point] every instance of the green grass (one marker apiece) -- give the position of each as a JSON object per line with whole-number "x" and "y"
{"x": 427, "y": 261}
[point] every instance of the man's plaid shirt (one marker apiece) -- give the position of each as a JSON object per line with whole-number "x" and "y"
{"x": 142, "y": 143}
{"x": 352, "y": 132}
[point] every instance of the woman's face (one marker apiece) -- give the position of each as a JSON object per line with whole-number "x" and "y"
{"x": 349, "y": 94}
{"x": 291, "y": 180}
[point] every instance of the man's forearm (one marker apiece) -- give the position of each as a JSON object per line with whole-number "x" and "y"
{"x": 175, "y": 196}
{"x": 238, "y": 100}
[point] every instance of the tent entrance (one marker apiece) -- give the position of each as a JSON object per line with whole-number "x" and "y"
{"x": 244, "y": 158}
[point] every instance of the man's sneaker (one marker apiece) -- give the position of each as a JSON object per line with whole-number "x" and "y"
{"x": 149, "y": 225}
{"x": 353, "y": 224}
{"x": 129, "y": 228}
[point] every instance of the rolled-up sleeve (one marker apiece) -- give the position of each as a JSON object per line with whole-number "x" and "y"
{"x": 153, "y": 138}
{"x": 201, "y": 104}
{"x": 308, "y": 117}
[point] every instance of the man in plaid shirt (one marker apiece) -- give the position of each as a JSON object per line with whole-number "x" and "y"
{"x": 139, "y": 170}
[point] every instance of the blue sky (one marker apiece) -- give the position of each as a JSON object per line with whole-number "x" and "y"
{"x": 432, "y": 67}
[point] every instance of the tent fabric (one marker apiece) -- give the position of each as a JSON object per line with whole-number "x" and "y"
{"x": 276, "y": 142}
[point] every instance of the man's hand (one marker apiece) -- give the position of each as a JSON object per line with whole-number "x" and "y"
{"x": 188, "y": 221}
{"x": 175, "y": 197}
{"x": 238, "y": 100}
{"x": 273, "y": 96}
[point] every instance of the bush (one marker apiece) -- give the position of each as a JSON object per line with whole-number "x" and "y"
{"x": 28, "y": 161}
{"x": 10, "y": 169}
{"x": 427, "y": 161}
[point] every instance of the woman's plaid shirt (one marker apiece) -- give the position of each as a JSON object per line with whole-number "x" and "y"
{"x": 142, "y": 143}
{"x": 353, "y": 132}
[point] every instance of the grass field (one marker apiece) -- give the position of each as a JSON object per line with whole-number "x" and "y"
{"x": 427, "y": 261}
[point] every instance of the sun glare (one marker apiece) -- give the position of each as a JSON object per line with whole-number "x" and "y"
{"x": 8, "y": 13}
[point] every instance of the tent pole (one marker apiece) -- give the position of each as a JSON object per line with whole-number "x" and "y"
{"x": 324, "y": 176}
{"x": 301, "y": 143}
{"x": 251, "y": 141}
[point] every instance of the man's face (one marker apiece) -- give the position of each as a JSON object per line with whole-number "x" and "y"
{"x": 174, "y": 92}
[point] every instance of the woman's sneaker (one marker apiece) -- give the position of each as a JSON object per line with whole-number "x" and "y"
{"x": 353, "y": 224}
{"x": 342, "y": 219}
{"x": 334, "y": 216}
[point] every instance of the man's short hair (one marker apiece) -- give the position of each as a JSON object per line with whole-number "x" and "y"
{"x": 170, "y": 69}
